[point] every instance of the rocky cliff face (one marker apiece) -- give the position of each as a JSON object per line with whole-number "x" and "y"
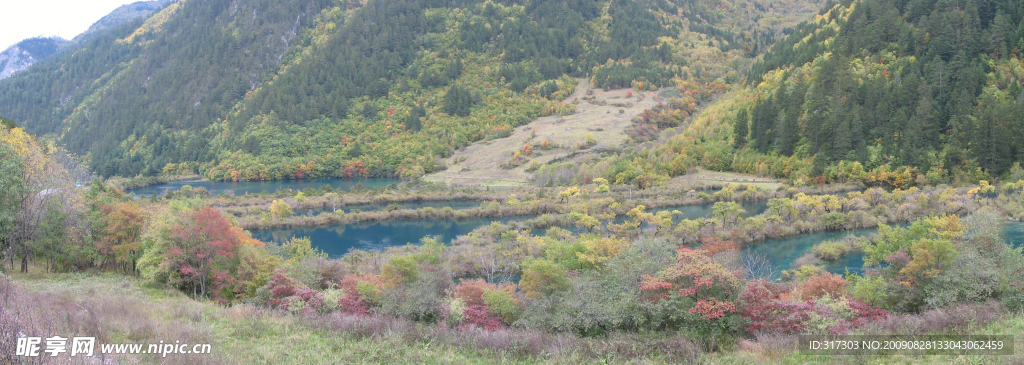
{"x": 22, "y": 55}
{"x": 14, "y": 59}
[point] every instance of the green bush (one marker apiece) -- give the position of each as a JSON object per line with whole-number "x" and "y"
{"x": 829, "y": 250}
{"x": 503, "y": 303}
{"x": 869, "y": 289}
{"x": 401, "y": 268}
{"x": 834, "y": 220}
{"x": 541, "y": 277}
{"x": 418, "y": 300}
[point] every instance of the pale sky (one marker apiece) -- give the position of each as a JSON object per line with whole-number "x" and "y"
{"x": 20, "y": 19}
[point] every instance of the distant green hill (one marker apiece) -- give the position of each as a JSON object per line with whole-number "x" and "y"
{"x": 931, "y": 84}
{"x": 258, "y": 89}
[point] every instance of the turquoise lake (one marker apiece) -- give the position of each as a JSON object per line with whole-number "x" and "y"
{"x": 255, "y": 187}
{"x": 781, "y": 252}
{"x": 337, "y": 239}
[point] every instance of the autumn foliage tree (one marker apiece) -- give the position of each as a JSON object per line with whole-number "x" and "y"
{"x": 694, "y": 293}
{"x": 775, "y": 308}
{"x": 45, "y": 183}
{"x": 206, "y": 251}
{"x": 122, "y": 228}
{"x": 195, "y": 248}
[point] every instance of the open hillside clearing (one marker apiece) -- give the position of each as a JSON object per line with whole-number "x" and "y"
{"x": 601, "y": 114}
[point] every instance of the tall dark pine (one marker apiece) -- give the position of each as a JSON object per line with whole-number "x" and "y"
{"x": 790, "y": 133}
{"x": 740, "y": 129}
{"x": 412, "y": 122}
{"x": 457, "y": 101}
{"x": 761, "y": 125}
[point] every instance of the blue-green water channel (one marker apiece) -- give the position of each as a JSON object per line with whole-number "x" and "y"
{"x": 782, "y": 252}
{"x": 255, "y": 187}
{"x": 337, "y": 239}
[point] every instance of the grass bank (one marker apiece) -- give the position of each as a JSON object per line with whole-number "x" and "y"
{"x": 118, "y": 309}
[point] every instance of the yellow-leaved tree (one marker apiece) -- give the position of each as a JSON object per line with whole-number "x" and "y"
{"x": 47, "y": 196}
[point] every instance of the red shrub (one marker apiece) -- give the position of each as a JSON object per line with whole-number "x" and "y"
{"x": 353, "y": 305}
{"x": 711, "y": 308}
{"x": 770, "y": 313}
{"x": 760, "y": 303}
{"x": 477, "y": 316}
{"x": 281, "y": 287}
{"x": 866, "y": 313}
{"x": 790, "y": 317}
{"x": 313, "y": 298}
{"x": 694, "y": 274}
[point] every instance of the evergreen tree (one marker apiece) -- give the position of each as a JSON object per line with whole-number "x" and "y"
{"x": 790, "y": 132}
{"x": 457, "y": 101}
{"x": 412, "y": 122}
{"x": 762, "y": 125}
{"x": 740, "y": 130}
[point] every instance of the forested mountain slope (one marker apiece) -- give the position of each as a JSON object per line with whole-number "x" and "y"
{"x": 124, "y": 13}
{"x": 255, "y": 89}
{"x": 930, "y": 84}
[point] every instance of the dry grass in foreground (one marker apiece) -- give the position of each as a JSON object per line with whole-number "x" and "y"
{"x": 119, "y": 309}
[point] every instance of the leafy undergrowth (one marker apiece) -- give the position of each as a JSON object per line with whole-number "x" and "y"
{"x": 117, "y": 309}
{"x": 960, "y": 320}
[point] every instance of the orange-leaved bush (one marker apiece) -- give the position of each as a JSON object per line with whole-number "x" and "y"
{"x": 817, "y": 286}
{"x": 712, "y": 287}
{"x": 369, "y": 287}
{"x": 471, "y": 291}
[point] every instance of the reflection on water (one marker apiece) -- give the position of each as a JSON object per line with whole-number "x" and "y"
{"x": 338, "y": 239}
{"x": 781, "y": 252}
{"x": 255, "y": 187}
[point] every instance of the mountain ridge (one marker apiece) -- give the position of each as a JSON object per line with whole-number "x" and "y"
{"x": 197, "y": 88}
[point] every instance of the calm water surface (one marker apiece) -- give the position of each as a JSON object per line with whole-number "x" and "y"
{"x": 338, "y": 239}
{"x": 781, "y": 252}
